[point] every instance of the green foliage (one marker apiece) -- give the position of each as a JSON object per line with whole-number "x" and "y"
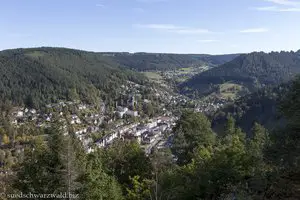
{"x": 52, "y": 74}
{"x": 260, "y": 140}
{"x": 140, "y": 189}
{"x": 34, "y": 176}
{"x": 2, "y": 156}
{"x": 96, "y": 184}
{"x": 286, "y": 146}
{"x": 192, "y": 130}
{"x": 5, "y": 139}
{"x": 260, "y": 107}
{"x": 162, "y": 62}
{"x": 222, "y": 169}
{"x": 124, "y": 160}
{"x": 49, "y": 168}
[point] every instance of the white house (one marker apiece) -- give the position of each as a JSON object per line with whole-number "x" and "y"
{"x": 20, "y": 114}
{"x": 163, "y": 127}
{"x": 100, "y": 143}
{"x": 122, "y": 109}
{"x": 87, "y": 141}
{"x": 90, "y": 150}
{"x": 106, "y": 140}
{"x": 132, "y": 113}
{"x": 111, "y": 137}
{"x": 138, "y": 133}
{"x": 120, "y": 114}
{"x": 152, "y": 125}
{"x": 81, "y": 107}
{"x": 78, "y": 121}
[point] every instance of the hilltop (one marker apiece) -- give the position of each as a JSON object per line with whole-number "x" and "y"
{"x": 164, "y": 61}
{"x": 38, "y": 76}
{"x": 251, "y": 71}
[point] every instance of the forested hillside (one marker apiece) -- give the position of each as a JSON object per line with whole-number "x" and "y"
{"x": 43, "y": 75}
{"x": 159, "y": 61}
{"x": 260, "y": 107}
{"x": 252, "y": 70}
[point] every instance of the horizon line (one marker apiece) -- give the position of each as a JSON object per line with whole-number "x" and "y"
{"x": 145, "y": 52}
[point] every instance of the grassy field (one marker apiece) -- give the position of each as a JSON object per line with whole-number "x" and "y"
{"x": 186, "y": 70}
{"x": 229, "y": 90}
{"x": 181, "y": 79}
{"x": 229, "y": 87}
{"x": 156, "y": 77}
{"x": 35, "y": 54}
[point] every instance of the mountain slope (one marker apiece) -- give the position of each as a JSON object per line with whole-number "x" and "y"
{"x": 159, "y": 61}
{"x": 261, "y": 106}
{"x": 252, "y": 70}
{"x": 44, "y": 75}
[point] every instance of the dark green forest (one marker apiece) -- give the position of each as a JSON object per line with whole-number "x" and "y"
{"x": 39, "y": 76}
{"x": 162, "y": 62}
{"x": 253, "y": 71}
{"x": 260, "y": 106}
{"x": 44, "y": 75}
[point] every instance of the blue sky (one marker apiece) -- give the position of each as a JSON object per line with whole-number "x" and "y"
{"x": 174, "y": 26}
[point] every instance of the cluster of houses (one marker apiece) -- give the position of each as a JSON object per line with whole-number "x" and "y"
{"x": 86, "y": 123}
{"x": 145, "y": 134}
{"x": 23, "y": 115}
{"x": 121, "y": 111}
{"x": 84, "y": 120}
{"x": 210, "y": 105}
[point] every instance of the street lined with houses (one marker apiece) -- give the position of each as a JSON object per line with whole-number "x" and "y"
{"x": 98, "y": 126}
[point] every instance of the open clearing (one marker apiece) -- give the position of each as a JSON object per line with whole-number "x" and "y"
{"x": 156, "y": 77}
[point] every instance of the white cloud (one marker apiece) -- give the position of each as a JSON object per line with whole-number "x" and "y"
{"x": 254, "y": 30}
{"x": 192, "y": 31}
{"x": 100, "y": 5}
{"x": 277, "y": 9}
{"x": 173, "y": 28}
{"x": 207, "y": 41}
{"x": 284, "y": 2}
{"x": 159, "y": 26}
{"x": 267, "y": 8}
{"x": 280, "y": 6}
{"x": 289, "y": 10}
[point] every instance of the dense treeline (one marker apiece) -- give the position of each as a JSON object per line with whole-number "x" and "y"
{"x": 45, "y": 75}
{"x": 157, "y": 61}
{"x": 38, "y": 76}
{"x": 260, "y": 106}
{"x": 252, "y": 70}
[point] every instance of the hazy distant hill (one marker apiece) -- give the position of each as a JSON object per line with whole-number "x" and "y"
{"x": 43, "y": 75}
{"x": 252, "y": 70}
{"x": 159, "y": 61}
